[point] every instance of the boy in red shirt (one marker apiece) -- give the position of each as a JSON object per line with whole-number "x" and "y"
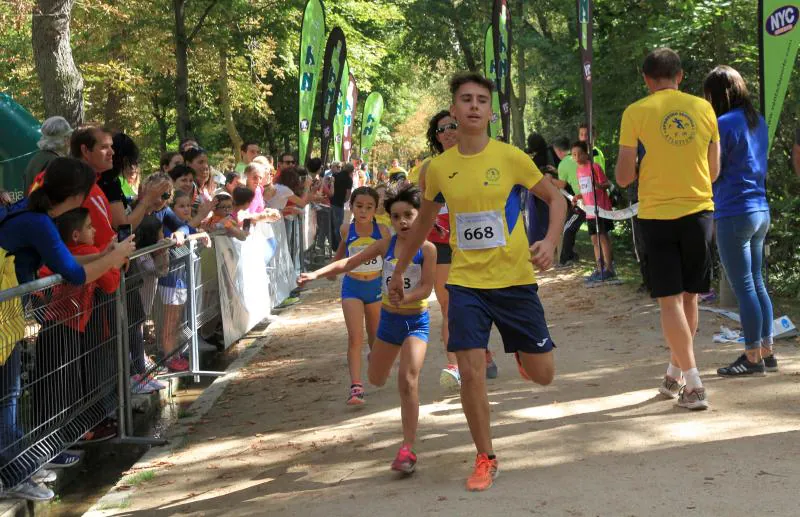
{"x": 598, "y": 229}
{"x": 60, "y": 365}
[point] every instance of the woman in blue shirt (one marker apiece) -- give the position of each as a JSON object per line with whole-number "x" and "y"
{"x": 742, "y": 214}
{"x": 29, "y": 239}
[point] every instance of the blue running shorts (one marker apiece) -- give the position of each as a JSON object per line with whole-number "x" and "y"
{"x": 368, "y": 291}
{"x": 395, "y": 328}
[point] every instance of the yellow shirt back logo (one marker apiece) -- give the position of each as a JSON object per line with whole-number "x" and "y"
{"x": 678, "y": 128}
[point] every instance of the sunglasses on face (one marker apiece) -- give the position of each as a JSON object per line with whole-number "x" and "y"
{"x": 442, "y": 129}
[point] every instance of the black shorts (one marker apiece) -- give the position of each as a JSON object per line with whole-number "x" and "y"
{"x": 678, "y": 254}
{"x": 444, "y": 254}
{"x": 606, "y": 225}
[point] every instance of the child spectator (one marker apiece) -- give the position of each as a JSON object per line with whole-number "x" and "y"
{"x": 59, "y": 362}
{"x": 183, "y": 179}
{"x": 242, "y": 198}
{"x": 598, "y": 229}
{"x": 232, "y": 180}
{"x": 222, "y": 219}
{"x": 169, "y": 160}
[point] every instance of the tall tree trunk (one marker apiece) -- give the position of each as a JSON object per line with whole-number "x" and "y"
{"x": 62, "y": 83}
{"x": 111, "y": 117}
{"x": 271, "y": 137}
{"x": 225, "y": 101}
{"x": 161, "y": 120}
{"x": 184, "y": 124}
{"x": 519, "y": 98}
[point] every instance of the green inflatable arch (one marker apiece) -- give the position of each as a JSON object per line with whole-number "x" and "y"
{"x": 19, "y": 133}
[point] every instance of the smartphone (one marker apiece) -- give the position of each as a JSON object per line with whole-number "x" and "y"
{"x": 246, "y": 224}
{"x": 123, "y": 232}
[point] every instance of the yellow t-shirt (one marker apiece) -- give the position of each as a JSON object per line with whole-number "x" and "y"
{"x": 413, "y": 174}
{"x": 487, "y": 234}
{"x": 673, "y": 129}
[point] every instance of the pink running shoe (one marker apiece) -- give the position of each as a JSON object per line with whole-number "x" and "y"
{"x": 406, "y": 460}
{"x": 356, "y": 397}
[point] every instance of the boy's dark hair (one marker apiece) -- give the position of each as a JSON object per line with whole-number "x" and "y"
{"x": 409, "y": 194}
{"x": 580, "y": 145}
{"x": 166, "y": 158}
{"x": 246, "y": 144}
{"x": 365, "y": 191}
{"x": 180, "y": 171}
{"x": 314, "y": 165}
{"x": 662, "y": 63}
{"x": 230, "y": 177}
{"x": 86, "y": 135}
{"x": 71, "y": 221}
{"x": 461, "y": 79}
{"x": 243, "y": 196}
{"x": 584, "y": 125}
{"x": 562, "y": 143}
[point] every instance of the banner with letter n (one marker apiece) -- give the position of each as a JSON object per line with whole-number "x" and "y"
{"x": 338, "y": 122}
{"x": 312, "y": 38}
{"x": 501, "y": 40}
{"x": 778, "y": 41}
{"x": 370, "y": 121}
{"x": 349, "y": 117}
{"x": 489, "y": 71}
{"x": 332, "y": 72}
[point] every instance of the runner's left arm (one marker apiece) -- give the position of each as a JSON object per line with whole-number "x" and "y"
{"x": 423, "y": 290}
{"x": 348, "y": 264}
{"x": 543, "y": 252}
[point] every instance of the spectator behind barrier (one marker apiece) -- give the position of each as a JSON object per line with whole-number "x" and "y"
{"x": 205, "y": 186}
{"x": 242, "y": 198}
{"x": 222, "y": 219}
{"x": 126, "y": 164}
{"x": 54, "y": 142}
{"x": 232, "y": 180}
{"x": 29, "y": 238}
{"x": 169, "y": 160}
{"x": 183, "y": 180}
{"x": 258, "y": 180}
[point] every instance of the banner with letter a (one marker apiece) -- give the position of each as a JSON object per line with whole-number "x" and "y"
{"x": 489, "y": 71}
{"x": 332, "y": 72}
{"x": 778, "y": 39}
{"x": 338, "y": 122}
{"x": 312, "y": 38}
{"x": 370, "y": 121}
{"x": 501, "y": 40}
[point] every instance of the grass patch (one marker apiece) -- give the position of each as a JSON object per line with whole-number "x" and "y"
{"x": 121, "y": 505}
{"x": 138, "y": 477}
{"x": 185, "y": 413}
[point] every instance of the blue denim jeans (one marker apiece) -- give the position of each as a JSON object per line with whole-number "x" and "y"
{"x": 9, "y": 402}
{"x": 337, "y": 220}
{"x": 740, "y": 240}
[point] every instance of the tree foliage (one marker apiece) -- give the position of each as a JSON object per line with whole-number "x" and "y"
{"x": 242, "y": 70}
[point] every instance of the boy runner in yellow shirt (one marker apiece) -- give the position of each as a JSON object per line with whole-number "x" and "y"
{"x": 676, "y": 138}
{"x": 491, "y": 279}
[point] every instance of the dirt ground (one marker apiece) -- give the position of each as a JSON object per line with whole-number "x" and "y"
{"x": 599, "y": 441}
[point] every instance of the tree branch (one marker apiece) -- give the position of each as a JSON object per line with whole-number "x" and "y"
{"x": 201, "y": 21}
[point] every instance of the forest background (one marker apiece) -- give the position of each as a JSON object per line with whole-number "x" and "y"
{"x": 238, "y": 63}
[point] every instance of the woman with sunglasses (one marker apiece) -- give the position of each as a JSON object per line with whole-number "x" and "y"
{"x": 442, "y": 135}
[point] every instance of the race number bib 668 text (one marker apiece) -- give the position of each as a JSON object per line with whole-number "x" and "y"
{"x": 480, "y": 230}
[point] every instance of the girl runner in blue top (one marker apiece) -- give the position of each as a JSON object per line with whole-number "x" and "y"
{"x": 404, "y": 327}
{"x": 361, "y": 287}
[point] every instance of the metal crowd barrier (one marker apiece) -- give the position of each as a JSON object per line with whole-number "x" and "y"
{"x": 64, "y": 371}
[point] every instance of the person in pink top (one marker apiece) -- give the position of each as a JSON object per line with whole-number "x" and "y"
{"x": 258, "y": 180}
{"x": 600, "y": 228}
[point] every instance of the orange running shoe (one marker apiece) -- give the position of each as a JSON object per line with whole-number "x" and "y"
{"x": 522, "y": 371}
{"x": 483, "y": 476}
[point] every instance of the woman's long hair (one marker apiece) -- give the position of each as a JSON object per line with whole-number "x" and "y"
{"x": 433, "y": 143}
{"x": 63, "y": 178}
{"x": 726, "y": 90}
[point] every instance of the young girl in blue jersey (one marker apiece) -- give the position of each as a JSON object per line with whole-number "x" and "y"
{"x": 404, "y": 327}
{"x": 361, "y": 287}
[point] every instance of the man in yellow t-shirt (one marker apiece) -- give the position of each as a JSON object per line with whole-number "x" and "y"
{"x": 491, "y": 279}
{"x": 676, "y": 139}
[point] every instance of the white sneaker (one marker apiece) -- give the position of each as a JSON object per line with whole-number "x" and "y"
{"x": 670, "y": 387}
{"x": 44, "y": 476}
{"x": 695, "y": 399}
{"x": 450, "y": 379}
{"x": 30, "y": 491}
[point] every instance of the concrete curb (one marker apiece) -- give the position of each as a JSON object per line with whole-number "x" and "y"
{"x": 115, "y": 499}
